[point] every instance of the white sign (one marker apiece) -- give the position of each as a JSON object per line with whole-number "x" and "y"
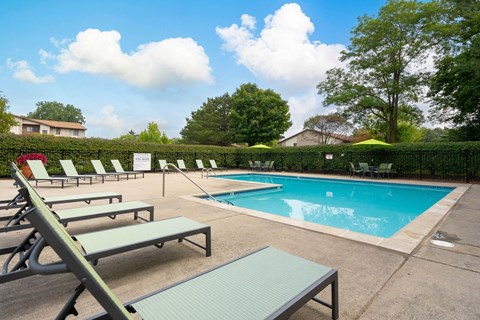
{"x": 142, "y": 161}
{"x": 329, "y": 156}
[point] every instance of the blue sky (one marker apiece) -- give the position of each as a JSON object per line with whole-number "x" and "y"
{"x": 127, "y": 63}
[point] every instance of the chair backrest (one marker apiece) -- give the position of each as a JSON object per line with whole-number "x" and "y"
{"x": 258, "y": 163}
{"x": 267, "y": 164}
{"x": 250, "y": 163}
{"x": 382, "y": 167}
{"x": 181, "y": 165}
{"x": 271, "y": 164}
{"x": 389, "y": 167}
{"x": 163, "y": 164}
{"x": 68, "y": 168}
{"x": 213, "y": 164}
{"x": 98, "y": 167}
{"x": 117, "y": 166}
{"x": 57, "y": 237}
{"x": 199, "y": 164}
{"x": 38, "y": 169}
{"x": 352, "y": 166}
{"x": 363, "y": 166}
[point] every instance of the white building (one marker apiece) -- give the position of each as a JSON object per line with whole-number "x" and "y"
{"x": 309, "y": 137}
{"x": 56, "y": 128}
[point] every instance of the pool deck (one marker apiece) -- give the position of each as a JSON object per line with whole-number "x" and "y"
{"x": 375, "y": 282}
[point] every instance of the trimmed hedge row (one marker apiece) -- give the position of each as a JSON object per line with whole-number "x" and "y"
{"x": 446, "y": 161}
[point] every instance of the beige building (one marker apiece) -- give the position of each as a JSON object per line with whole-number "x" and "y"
{"x": 56, "y": 128}
{"x": 309, "y": 137}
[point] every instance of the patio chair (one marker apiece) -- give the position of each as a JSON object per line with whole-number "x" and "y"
{"x": 70, "y": 171}
{"x": 265, "y": 284}
{"x": 270, "y": 167}
{"x": 382, "y": 169}
{"x": 181, "y": 165}
{"x": 98, "y": 244}
{"x": 389, "y": 170}
{"x": 257, "y": 165}
{"x": 365, "y": 168}
{"x": 119, "y": 169}
{"x": 250, "y": 165}
{"x": 41, "y": 174}
{"x": 100, "y": 170}
{"x": 266, "y": 166}
{"x": 354, "y": 170}
{"x": 163, "y": 165}
{"x": 214, "y": 166}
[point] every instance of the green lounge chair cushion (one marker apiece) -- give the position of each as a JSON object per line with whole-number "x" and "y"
{"x": 101, "y": 210}
{"x": 80, "y": 197}
{"x": 106, "y": 240}
{"x": 253, "y": 287}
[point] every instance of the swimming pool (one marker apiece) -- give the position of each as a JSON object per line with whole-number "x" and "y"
{"x": 378, "y": 209}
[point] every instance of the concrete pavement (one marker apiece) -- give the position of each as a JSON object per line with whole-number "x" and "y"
{"x": 375, "y": 283}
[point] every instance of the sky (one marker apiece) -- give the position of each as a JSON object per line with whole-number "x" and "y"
{"x": 126, "y": 63}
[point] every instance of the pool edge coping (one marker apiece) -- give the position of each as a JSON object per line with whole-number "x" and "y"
{"x": 405, "y": 240}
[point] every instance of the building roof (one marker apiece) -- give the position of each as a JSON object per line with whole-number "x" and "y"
{"x": 57, "y": 124}
{"x": 337, "y": 136}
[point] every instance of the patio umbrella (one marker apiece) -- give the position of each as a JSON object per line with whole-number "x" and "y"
{"x": 372, "y": 142}
{"x": 260, "y": 146}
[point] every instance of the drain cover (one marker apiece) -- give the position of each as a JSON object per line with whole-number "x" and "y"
{"x": 442, "y": 243}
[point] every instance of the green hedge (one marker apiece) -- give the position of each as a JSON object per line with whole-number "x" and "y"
{"x": 446, "y": 161}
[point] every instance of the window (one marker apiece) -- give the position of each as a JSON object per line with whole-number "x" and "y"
{"x": 44, "y": 131}
{"x": 74, "y": 132}
{"x": 30, "y": 129}
{"x": 57, "y": 131}
{"x": 294, "y": 144}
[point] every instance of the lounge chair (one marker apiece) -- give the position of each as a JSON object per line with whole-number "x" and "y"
{"x": 199, "y": 164}
{"x": 163, "y": 165}
{"x": 17, "y": 221}
{"x": 18, "y": 201}
{"x": 270, "y": 167}
{"x": 354, "y": 170}
{"x": 250, "y": 165}
{"x": 100, "y": 170}
{"x": 257, "y": 165}
{"x": 40, "y": 173}
{"x": 98, "y": 244}
{"x": 181, "y": 165}
{"x": 214, "y": 166}
{"x": 119, "y": 169}
{"x": 266, "y": 284}
{"x": 70, "y": 171}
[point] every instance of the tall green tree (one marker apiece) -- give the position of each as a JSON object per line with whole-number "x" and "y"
{"x": 455, "y": 86}
{"x": 257, "y": 115}
{"x": 6, "y": 118}
{"x": 329, "y": 126}
{"x": 210, "y": 124}
{"x": 382, "y": 78}
{"x": 53, "y": 110}
{"x": 153, "y": 134}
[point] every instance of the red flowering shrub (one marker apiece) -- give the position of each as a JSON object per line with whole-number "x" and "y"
{"x": 21, "y": 160}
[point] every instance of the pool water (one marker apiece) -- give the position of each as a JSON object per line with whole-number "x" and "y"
{"x": 378, "y": 209}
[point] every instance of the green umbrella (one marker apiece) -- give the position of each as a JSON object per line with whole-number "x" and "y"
{"x": 260, "y": 146}
{"x": 372, "y": 142}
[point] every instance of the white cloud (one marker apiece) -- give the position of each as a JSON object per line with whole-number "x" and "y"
{"x": 152, "y": 65}
{"x": 23, "y": 72}
{"x": 107, "y": 123}
{"x": 283, "y": 52}
{"x": 44, "y": 56}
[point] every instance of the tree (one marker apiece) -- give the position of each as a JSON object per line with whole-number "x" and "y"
{"x": 130, "y": 136}
{"x": 53, "y": 110}
{"x": 153, "y": 134}
{"x": 329, "y": 126}
{"x": 455, "y": 86}
{"x": 382, "y": 78}
{"x": 257, "y": 115}
{"x": 6, "y": 119}
{"x": 210, "y": 125}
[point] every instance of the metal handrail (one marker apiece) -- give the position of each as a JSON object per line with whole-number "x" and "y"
{"x": 180, "y": 171}
{"x": 208, "y": 170}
